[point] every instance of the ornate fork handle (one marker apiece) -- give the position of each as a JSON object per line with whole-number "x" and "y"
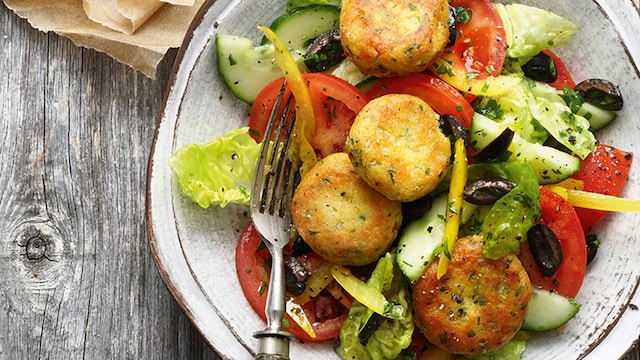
{"x": 273, "y": 342}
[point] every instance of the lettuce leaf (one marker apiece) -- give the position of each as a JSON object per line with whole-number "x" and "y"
{"x": 535, "y": 110}
{"x": 392, "y": 335}
{"x": 506, "y": 224}
{"x": 220, "y": 172}
{"x": 530, "y": 30}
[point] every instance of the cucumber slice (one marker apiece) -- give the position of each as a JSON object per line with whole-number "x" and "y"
{"x": 247, "y": 69}
{"x": 550, "y": 165}
{"x": 298, "y": 27}
{"x": 421, "y": 238}
{"x": 598, "y": 118}
{"x": 548, "y": 310}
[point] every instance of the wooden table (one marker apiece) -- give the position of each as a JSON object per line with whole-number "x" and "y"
{"x": 77, "y": 277}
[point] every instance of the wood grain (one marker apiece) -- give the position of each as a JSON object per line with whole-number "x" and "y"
{"x": 77, "y": 279}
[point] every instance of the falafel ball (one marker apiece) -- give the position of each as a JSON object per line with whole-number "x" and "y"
{"x": 392, "y": 37}
{"x": 342, "y": 218}
{"x": 397, "y": 147}
{"x": 477, "y": 306}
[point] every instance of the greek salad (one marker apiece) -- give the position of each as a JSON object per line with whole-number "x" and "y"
{"x": 525, "y": 182}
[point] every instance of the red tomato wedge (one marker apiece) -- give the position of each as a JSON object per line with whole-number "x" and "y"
{"x": 563, "y": 76}
{"x": 253, "y": 273}
{"x": 562, "y": 219}
{"x": 335, "y": 104}
{"x": 443, "y": 98}
{"x": 604, "y": 171}
{"x": 481, "y": 44}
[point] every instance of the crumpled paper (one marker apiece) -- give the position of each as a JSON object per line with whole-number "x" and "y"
{"x": 135, "y": 32}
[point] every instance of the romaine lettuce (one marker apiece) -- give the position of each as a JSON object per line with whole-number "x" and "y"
{"x": 530, "y": 30}
{"x": 506, "y": 224}
{"x": 535, "y": 110}
{"x": 219, "y": 172}
{"x": 392, "y": 335}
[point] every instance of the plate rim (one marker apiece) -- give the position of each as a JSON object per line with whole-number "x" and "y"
{"x": 182, "y": 288}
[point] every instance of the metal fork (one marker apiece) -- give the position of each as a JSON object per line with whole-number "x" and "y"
{"x": 270, "y": 201}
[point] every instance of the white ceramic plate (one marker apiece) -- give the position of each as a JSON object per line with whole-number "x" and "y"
{"x": 194, "y": 248}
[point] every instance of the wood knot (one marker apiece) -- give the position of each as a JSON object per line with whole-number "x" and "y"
{"x": 36, "y": 244}
{"x": 36, "y": 247}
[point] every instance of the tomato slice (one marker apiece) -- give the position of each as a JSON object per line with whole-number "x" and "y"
{"x": 335, "y": 103}
{"x": 481, "y": 44}
{"x": 563, "y": 220}
{"x": 253, "y": 273}
{"x": 604, "y": 171}
{"x": 443, "y": 98}
{"x": 563, "y": 76}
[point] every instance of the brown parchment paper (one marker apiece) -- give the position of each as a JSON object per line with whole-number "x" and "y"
{"x": 154, "y": 28}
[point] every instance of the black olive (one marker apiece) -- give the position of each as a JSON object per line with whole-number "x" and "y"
{"x": 373, "y": 323}
{"x": 487, "y": 191}
{"x": 601, "y": 93}
{"x": 324, "y": 51}
{"x": 545, "y": 248}
{"x": 299, "y": 247}
{"x": 554, "y": 143}
{"x": 496, "y": 148}
{"x": 451, "y": 126}
{"x": 295, "y": 275}
{"x": 415, "y": 209}
{"x": 541, "y": 68}
{"x": 592, "y": 246}
{"x": 452, "y": 26}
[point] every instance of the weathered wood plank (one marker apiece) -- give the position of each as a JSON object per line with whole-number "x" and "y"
{"x": 77, "y": 277}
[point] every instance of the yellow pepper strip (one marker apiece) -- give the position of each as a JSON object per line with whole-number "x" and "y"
{"x": 306, "y": 124}
{"x": 365, "y": 294}
{"x": 454, "y": 205}
{"x": 298, "y": 315}
{"x": 319, "y": 280}
{"x": 489, "y": 86}
{"x": 595, "y": 201}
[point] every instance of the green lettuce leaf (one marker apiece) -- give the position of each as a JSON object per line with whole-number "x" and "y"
{"x": 506, "y": 224}
{"x": 392, "y": 335}
{"x": 530, "y": 30}
{"x": 535, "y": 110}
{"x": 220, "y": 172}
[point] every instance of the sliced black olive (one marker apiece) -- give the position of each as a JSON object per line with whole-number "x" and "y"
{"x": 295, "y": 275}
{"x": 554, "y": 143}
{"x": 593, "y": 243}
{"x": 451, "y": 126}
{"x": 487, "y": 191}
{"x": 415, "y": 209}
{"x": 369, "y": 328}
{"x": 601, "y": 93}
{"x": 299, "y": 247}
{"x": 545, "y": 248}
{"x": 452, "y": 26}
{"x": 541, "y": 68}
{"x": 496, "y": 148}
{"x": 324, "y": 52}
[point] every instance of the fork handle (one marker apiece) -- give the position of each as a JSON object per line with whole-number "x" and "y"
{"x": 273, "y": 346}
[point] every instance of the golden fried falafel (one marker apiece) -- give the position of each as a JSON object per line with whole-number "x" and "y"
{"x": 396, "y": 146}
{"x": 393, "y": 37}
{"x": 477, "y": 306}
{"x": 342, "y": 218}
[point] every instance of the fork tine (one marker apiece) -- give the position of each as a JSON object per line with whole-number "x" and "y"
{"x": 264, "y": 169}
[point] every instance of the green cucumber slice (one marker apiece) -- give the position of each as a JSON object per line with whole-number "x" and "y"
{"x": 548, "y": 310}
